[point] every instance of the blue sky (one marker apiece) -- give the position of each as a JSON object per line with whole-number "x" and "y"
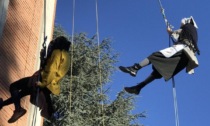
{"x": 137, "y": 29}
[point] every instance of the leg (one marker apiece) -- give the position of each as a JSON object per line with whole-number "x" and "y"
{"x": 50, "y": 109}
{"x": 136, "y": 89}
{"x": 18, "y": 90}
{"x": 132, "y": 70}
{"x": 47, "y": 108}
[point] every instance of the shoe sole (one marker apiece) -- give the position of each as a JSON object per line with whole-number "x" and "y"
{"x": 134, "y": 92}
{"x": 123, "y": 69}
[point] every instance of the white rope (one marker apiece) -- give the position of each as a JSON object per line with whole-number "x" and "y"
{"x": 175, "y": 103}
{"x": 72, "y": 51}
{"x": 73, "y": 15}
{"x": 174, "y": 96}
{"x": 173, "y": 81}
{"x": 99, "y": 60}
{"x": 38, "y": 79}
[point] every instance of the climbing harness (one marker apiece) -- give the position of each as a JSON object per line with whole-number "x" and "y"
{"x": 42, "y": 63}
{"x": 173, "y": 80}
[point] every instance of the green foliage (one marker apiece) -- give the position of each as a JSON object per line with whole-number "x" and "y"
{"x": 83, "y": 100}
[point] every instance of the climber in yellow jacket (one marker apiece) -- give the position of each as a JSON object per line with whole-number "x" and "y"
{"x": 54, "y": 68}
{"x": 57, "y": 66}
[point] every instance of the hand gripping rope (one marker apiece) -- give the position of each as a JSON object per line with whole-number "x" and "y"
{"x": 173, "y": 81}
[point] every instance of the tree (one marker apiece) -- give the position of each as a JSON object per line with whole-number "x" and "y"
{"x": 82, "y": 101}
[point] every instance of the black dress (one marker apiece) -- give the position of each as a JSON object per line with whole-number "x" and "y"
{"x": 169, "y": 67}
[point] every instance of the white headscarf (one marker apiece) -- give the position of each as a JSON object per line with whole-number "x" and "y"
{"x": 188, "y": 20}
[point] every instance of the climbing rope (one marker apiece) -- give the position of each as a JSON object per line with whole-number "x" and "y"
{"x": 72, "y": 47}
{"x": 173, "y": 80}
{"x": 99, "y": 62}
{"x": 164, "y": 16}
{"x": 175, "y": 103}
{"x": 42, "y": 58}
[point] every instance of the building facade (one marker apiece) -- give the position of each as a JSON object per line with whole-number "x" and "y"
{"x": 21, "y": 37}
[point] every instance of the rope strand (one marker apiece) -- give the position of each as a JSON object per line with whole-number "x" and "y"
{"x": 175, "y": 103}
{"x": 72, "y": 47}
{"x": 99, "y": 60}
{"x": 173, "y": 80}
{"x": 164, "y": 16}
{"x": 38, "y": 79}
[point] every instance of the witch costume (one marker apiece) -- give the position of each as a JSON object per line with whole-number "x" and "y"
{"x": 168, "y": 62}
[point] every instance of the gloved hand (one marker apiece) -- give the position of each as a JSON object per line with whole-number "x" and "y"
{"x": 39, "y": 84}
{"x": 169, "y": 30}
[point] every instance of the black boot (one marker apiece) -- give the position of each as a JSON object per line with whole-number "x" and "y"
{"x": 133, "y": 90}
{"x": 1, "y": 103}
{"x": 132, "y": 70}
{"x": 17, "y": 114}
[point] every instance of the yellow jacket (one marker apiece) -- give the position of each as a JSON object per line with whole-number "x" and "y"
{"x": 56, "y": 68}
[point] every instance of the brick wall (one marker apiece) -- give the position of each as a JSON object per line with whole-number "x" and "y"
{"x": 18, "y": 50}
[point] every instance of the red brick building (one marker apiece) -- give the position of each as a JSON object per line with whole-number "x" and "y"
{"x": 21, "y": 36}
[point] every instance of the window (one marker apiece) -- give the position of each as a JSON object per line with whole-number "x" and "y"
{"x": 3, "y": 12}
